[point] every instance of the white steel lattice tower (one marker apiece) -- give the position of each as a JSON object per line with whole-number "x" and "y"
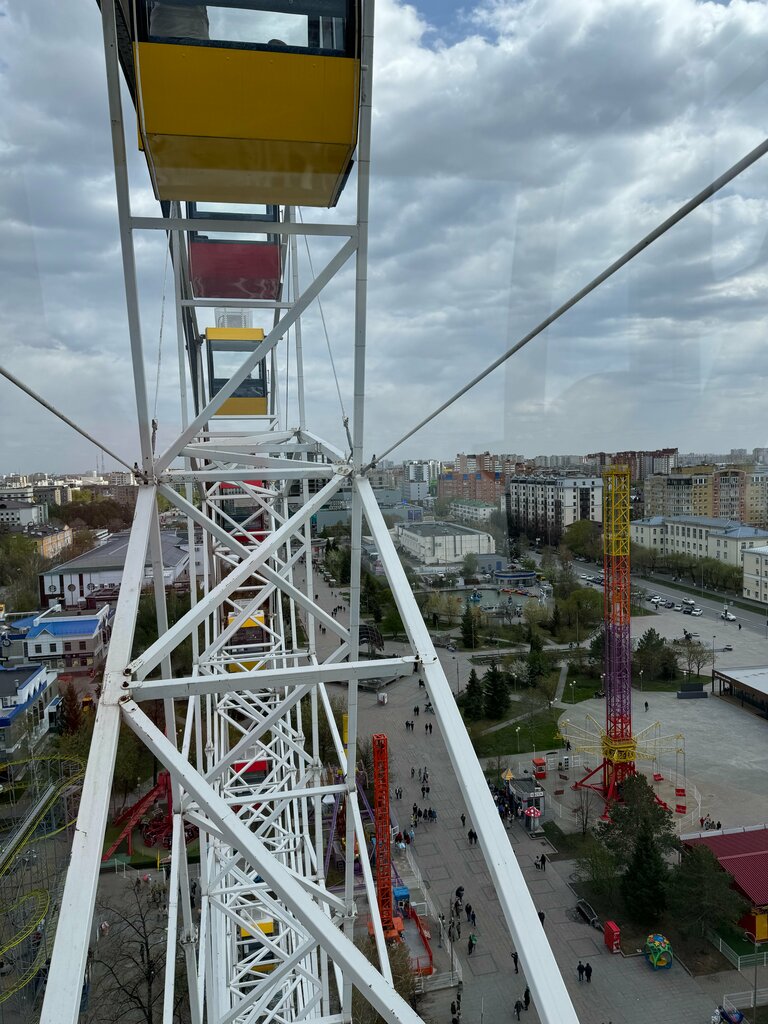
{"x": 242, "y": 739}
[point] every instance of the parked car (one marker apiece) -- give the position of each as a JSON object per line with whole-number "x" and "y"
{"x": 696, "y": 611}
{"x": 678, "y": 607}
{"x": 669, "y": 604}
{"x": 687, "y": 610}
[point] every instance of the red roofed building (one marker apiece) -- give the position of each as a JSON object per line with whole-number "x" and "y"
{"x": 744, "y": 855}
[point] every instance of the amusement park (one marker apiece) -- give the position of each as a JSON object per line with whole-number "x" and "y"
{"x": 261, "y": 770}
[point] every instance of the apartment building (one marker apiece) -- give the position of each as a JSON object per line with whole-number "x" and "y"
{"x": 698, "y": 537}
{"x": 479, "y": 477}
{"x": 726, "y": 493}
{"x": 21, "y": 514}
{"x": 473, "y": 511}
{"x": 546, "y": 506}
{"x": 755, "y": 582}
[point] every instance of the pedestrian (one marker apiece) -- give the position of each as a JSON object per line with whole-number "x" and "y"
{"x": 426, "y": 727}
{"x": 463, "y": 820}
{"x": 469, "y": 836}
{"x": 423, "y": 791}
{"x": 542, "y": 915}
{"x": 739, "y": 626}
{"x": 430, "y": 728}
{"x": 413, "y": 772}
{"x": 580, "y": 970}
{"x": 646, "y": 705}
{"x": 527, "y": 997}
{"x": 588, "y": 971}
{"x": 451, "y": 930}
{"x": 468, "y": 909}
{"x": 458, "y": 927}
{"x": 454, "y": 1008}
{"x": 543, "y": 862}
{"x": 419, "y": 774}
{"x": 515, "y": 959}
{"x": 474, "y": 918}
{"x": 460, "y": 892}
{"x": 427, "y": 789}
{"x": 518, "y": 1008}
{"x": 471, "y": 943}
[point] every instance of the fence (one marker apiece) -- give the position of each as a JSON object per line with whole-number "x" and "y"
{"x": 426, "y": 908}
{"x": 739, "y": 961}
{"x": 744, "y": 1000}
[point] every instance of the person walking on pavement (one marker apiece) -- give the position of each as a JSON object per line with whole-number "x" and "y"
{"x": 471, "y": 943}
{"x": 518, "y": 1008}
{"x": 542, "y": 915}
{"x": 515, "y": 961}
{"x": 463, "y": 821}
{"x": 527, "y": 997}
{"x": 588, "y": 971}
{"x": 543, "y": 862}
{"x": 474, "y": 918}
{"x": 468, "y": 909}
{"x": 580, "y": 970}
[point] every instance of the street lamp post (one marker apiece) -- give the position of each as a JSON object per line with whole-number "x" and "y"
{"x": 573, "y": 695}
{"x": 751, "y": 935}
{"x": 517, "y": 730}
{"x": 714, "y": 637}
{"x": 641, "y": 679}
{"x": 602, "y": 681}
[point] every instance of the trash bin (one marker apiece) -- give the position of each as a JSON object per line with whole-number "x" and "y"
{"x": 612, "y": 935}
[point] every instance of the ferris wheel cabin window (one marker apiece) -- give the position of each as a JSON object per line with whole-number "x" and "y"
{"x": 312, "y": 26}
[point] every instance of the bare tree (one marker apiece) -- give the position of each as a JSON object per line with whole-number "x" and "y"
{"x": 128, "y": 963}
{"x": 587, "y": 802}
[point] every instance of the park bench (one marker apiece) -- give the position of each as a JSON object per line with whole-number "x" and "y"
{"x": 588, "y": 913}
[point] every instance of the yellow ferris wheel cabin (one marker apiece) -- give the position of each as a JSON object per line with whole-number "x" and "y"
{"x": 227, "y": 349}
{"x": 243, "y": 101}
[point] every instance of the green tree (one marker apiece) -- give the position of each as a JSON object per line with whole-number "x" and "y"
{"x": 472, "y": 700}
{"x": 496, "y": 690}
{"x": 695, "y": 655}
{"x": 599, "y": 868}
{"x": 469, "y": 564}
{"x": 638, "y": 808}
{"x": 402, "y": 976}
{"x": 644, "y": 883}
{"x": 535, "y": 662}
{"x": 584, "y": 538}
{"x": 70, "y": 710}
{"x": 648, "y": 656}
{"x": 701, "y": 895}
{"x": 470, "y": 625}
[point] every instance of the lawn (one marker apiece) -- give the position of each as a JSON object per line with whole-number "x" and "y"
{"x": 569, "y": 845}
{"x": 537, "y": 732}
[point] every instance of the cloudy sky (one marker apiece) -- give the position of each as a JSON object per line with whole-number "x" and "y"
{"x": 519, "y": 147}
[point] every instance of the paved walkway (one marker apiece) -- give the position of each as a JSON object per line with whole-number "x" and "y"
{"x": 623, "y": 990}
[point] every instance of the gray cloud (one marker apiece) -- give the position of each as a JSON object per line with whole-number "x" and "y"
{"x": 510, "y": 165}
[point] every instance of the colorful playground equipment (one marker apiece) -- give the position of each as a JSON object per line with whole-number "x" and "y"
{"x": 658, "y": 951}
{"x": 153, "y": 812}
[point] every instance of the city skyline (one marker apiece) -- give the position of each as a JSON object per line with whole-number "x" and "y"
{"x": 578, "y": 130}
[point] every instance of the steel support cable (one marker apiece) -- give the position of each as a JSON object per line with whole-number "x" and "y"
{"x": 52, "y": 408}
{"x": 345, "y": 418}
{"x": 160, "y": 339}
{"x": 701, "y": 197}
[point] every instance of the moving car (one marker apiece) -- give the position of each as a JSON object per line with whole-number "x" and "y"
{"x": 727, "y": 647}
{"x": 728, "y": 616}
{"x": 655, "y": 599}
{"x": 696, "y": 611}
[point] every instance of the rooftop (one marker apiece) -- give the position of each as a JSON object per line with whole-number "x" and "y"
{"x": 112, "y": 555}
{"x": 12, "y": 679}
{"x": 755, "y": 678}
{"x": 65, "y": 627}
{"x": 439, "y": 529}
{"x": 744, "y": 855}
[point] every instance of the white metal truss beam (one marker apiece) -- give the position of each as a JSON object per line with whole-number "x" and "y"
{"x": 344, "y": 953}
